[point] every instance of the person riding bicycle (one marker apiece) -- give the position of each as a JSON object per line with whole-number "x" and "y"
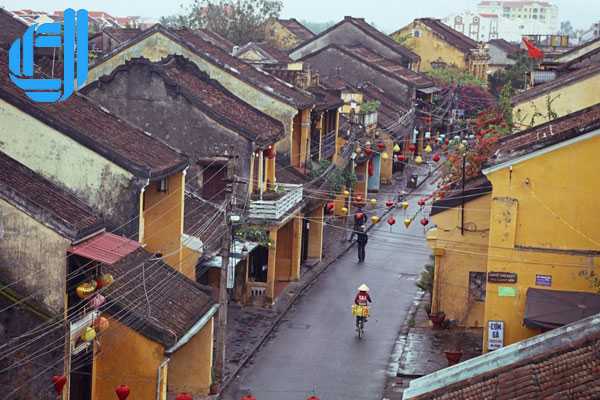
{"x": 362, "y": 298}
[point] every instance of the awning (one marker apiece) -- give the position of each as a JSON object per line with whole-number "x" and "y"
{"x": 235, "y": 256}
{"x": 549, "y": 309}
{"x": 429, "y": 90}
{"x": 106, "y": 248}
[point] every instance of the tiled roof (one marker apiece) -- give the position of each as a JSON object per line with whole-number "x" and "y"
{"x": 45, "y": 202}
{"x": 267, "y": 51}
{"x": 154, "y": 299}
{"x": 453, "y": 37}
{"x": 204, "y": 220}
{"x": 474, "y": 188}
{"x": 506, "y": 46}
{"x": 556, "y": 131}
{"x": 121, "y": 35}
{"x": 97, "y": 129}
{"x": 247, "y": 72}
{"x": 327, "y": 99}
{"x": 560, "y": 82}
{"x": 414, "y": 78}
{"x": 210, "y": 96}
{"x": 390, "y": 109}
{"x": 261, "y": 80}
{"x": 563, "y": 363}
{"x": 299, "y": 30}
{"x": 10, "y": 28}
{"x": 369, "y": 30}
{"x": 216, "y": 39}
{"x": 594, "y": 48}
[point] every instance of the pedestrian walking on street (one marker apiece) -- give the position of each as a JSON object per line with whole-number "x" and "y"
{"x": 362, "y": 239}
{"x": 360, "y": 218}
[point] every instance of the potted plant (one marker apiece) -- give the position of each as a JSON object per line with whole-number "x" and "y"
{"x": 425, "y": 282}
{"x": 454, "y": 352}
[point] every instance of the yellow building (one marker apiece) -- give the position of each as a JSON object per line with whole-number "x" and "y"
{"x": 159, "y": 341}
{"x": 459, "y": 243}
{"x": 564, "y": 95}
{"x": 544, "y": 227}
{"x": 439, "y": 45}
{"x": 285, "y": 34}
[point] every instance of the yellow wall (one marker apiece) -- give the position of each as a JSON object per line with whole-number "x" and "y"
{"x": 456, "y": 255}
{"x": 566, "y": 100}
{"x": 125, "y": 357}
{"x": 280, "y": 37}
{"x": 360, "y": 187}
{"x": 544, "y": 220}
{"x": 430, "y": 47}
{"x": 387, "y": 165}
{"x": 163, "y": 221}
{"x": 315, "y": 234}
{"x": 190, "y": 367}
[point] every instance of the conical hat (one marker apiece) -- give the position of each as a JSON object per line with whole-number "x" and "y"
{"x": 363, "y": 288}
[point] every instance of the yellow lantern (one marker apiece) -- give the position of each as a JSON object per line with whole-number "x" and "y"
{"x": 428, "y": 149}
{"x": 101, "y": 324}
{"x": 344, "y": 210}
{"x": 88, "y": 334}
{"x": 396, "y": 148}
{"x": 346, "y": 193}
{"x": 86, "y": 289}
{"x": 384, "y": 156}
{"x": 373, "y": 201}
{"x": 375, "y": 219}
{"x": 407, "y": 222}
{"x": 405, "y": 204}
{"x": 418, "y": 160}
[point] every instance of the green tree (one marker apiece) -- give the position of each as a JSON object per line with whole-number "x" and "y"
{"x": 240, "y": 21}
{"x": 505, "y": 105}
{"x": 517, "y": 75}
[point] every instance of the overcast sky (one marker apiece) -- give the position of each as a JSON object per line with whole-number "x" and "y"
{"x": 386, "y": 14}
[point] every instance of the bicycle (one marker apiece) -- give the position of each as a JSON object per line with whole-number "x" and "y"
{"x": 361, "y": 313}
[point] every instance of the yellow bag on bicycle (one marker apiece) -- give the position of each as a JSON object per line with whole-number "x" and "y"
{"x": 360, "y": 311}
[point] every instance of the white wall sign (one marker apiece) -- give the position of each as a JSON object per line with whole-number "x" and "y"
{"x": 495, "y": 335}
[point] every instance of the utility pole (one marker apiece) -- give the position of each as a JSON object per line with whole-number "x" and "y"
{"x": 462, "y": 208}
{"x": 226, "y": 242}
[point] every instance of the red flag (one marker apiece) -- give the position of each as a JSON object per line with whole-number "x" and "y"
{"x": 532, "y": 50}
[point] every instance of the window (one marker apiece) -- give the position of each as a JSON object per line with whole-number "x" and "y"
{"x": 162, "y": 185}
{"x": 416, "y": 33}
{"x": 477, "y": 285}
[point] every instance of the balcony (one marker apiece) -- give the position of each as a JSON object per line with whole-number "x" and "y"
{"x": 276, "y": 205}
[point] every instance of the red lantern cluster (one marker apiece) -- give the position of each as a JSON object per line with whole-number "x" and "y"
{"x": 389, "y": 203}
{"x": 122, "y": 392}
{"x": 391, "y": 221}
{"x": 330, "y": 206}
{"x": 184, "y": 396}
{"x": 59, "y": 382}
{"x": 313, "y": 398}
{"x": 424, "y": 222}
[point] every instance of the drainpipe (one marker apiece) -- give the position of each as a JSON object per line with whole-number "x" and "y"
{"x": 159, "y": 376}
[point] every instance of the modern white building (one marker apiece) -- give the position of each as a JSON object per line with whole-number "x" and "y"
{"x": 518, "y": 18}
{"x": 479, "y": 27}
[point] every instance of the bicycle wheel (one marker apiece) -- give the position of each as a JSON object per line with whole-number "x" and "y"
{"x": 361, "y": 329}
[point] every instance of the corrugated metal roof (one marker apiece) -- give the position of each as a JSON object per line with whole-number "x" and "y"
{"x": 106, "y": 248}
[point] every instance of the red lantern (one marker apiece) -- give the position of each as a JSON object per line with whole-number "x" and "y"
{"x": 424, "y": 222}
{"x": 359, "y": 199}
{"x": 371, "y": 169}
{"x": 59, "y": 382}
{"x": 421, "y": 202}
{"x": 359, "y": 216}
{"x": 391, "y": 221}
{"x": 330, "y": 206}
{"x": 436, "y": 157}
{"x": 368, "y": 151}
{"x": 269, "y": 153}
{"x": 389, "y": 203}
{"x": 313, "y": 398}
{"x": 412, "y": 148}
{"x": 401, "y": 157}
{"x": 248, "y": 397}
{"x": 381, "y": 146}
{"x": 184, "y": 396}
{"x": 122, "y": 392}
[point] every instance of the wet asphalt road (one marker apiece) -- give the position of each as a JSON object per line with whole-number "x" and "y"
{"x": 315, "y": 350}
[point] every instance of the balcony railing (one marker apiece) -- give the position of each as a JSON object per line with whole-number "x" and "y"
{"x": 276, "y": 209}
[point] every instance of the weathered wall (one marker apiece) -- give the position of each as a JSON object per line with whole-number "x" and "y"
{"x": 456, "y": 255}
{"x": 280, "y": 37}
{"x": 33, "y": 254}
{"x": 34, "y": 376}
{"x": 347, "y": 35}
{"x": 565, "y": 100}
{"x": 332, "y": 62}
{"x": 126, "y": 357}
{"x": 158, "y": 46}
{"x": 544, "y": 220}
{"x": 498, "y": 56}
{"x": 143, "y": 98}
{"x": 104, "y": 186}
{"x": 190, "y": 368}
{"x": 430, "y": 47}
